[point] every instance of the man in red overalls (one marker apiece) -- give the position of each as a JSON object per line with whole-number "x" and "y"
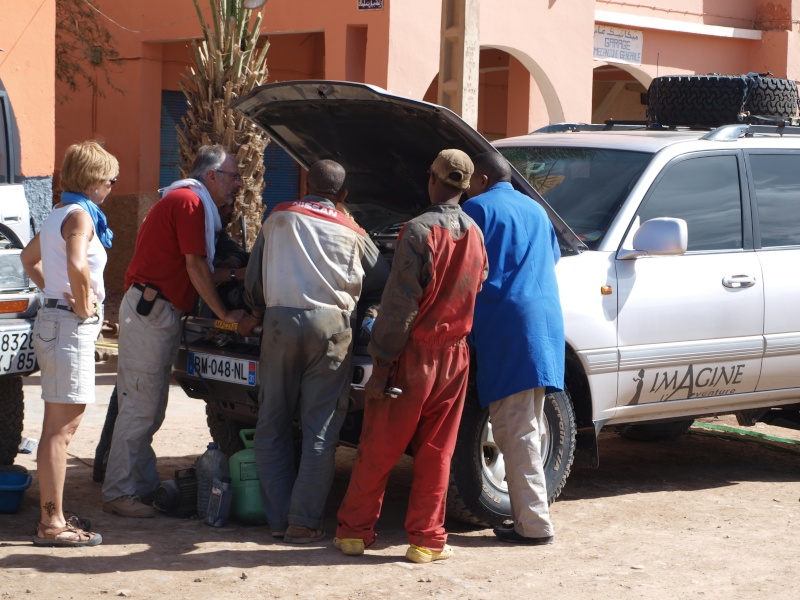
{"x": 418, "y": 345}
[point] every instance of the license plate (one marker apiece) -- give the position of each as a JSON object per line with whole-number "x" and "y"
{"x": 16, "y": 352}
{"x": 223, "y": 368}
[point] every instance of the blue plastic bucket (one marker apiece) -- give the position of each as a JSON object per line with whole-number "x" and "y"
{"x": 12, "y": 487}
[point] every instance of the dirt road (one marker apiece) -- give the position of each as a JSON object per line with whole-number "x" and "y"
{"x": 702, "y": 517}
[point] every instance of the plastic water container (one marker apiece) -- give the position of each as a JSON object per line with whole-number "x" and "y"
{"x": 212, "y": 463}
{"x": 247, "y": 506}
{"x": 219, "y": 504}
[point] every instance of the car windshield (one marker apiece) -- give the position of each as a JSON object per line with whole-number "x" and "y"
{"x": 585, "y": 186}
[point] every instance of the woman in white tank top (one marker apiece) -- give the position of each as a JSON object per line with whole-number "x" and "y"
{"x": 66, "y": 261}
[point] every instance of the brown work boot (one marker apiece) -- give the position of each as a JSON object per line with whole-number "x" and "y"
{"x": 129, "y": 506}
{"x": 297, "y": 534}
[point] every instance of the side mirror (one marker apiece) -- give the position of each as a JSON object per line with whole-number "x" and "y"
{"x": 663, "y": 236}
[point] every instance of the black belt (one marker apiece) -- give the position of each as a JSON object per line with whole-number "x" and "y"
{"x": 56, "y": 303}
{"x": 141, "y": 287}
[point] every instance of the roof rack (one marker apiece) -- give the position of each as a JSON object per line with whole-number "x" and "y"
{"x": 609, "y": 125}
{"x": 748, "y": 125}
{"x": 736, "y": 131}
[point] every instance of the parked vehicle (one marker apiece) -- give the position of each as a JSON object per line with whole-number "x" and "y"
{"x": 19, "y": 302}
{"x": 675, "y": 248}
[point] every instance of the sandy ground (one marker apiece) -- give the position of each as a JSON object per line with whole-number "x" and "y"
{"x": 703, "y": 517}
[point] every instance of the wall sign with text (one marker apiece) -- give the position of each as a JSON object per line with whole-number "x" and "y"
{"x": 370, "y": 4}
{"x": 616, "y": 45}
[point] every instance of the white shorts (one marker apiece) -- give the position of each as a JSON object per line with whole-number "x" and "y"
{"x": 64, "y": 345}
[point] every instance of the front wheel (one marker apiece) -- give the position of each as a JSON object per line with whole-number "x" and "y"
{"x": 478, "y": 493}
{"x": 223, "y": 431}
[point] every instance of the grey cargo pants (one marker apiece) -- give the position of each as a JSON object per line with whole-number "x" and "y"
{"x": 148, "y": 345}
{"x": 304, "y": 368}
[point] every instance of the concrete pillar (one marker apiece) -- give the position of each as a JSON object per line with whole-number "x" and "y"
{"x": 459, "y": 57}
{"x": 518, "y": 119}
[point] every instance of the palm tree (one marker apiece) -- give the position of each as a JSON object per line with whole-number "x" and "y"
{"x": 229, "y": 62}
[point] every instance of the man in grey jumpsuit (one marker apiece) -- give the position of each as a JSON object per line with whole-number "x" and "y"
{"x": 307, "y": 270}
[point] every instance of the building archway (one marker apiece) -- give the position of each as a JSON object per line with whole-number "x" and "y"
{"x": 515, "y": 95}
{"x": 617, "y": 93}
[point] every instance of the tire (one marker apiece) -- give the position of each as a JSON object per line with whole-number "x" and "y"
{"x": 656, "y": 432}
{"x": 714, "y": 100}
{"x": 773, "y": 97}
{"x": 226, "y": 433}
{"x": 223, "y": 431}
{"x": 12, "y": 237}
{"x": 12, "y": 411}
{"x": 478, "y": 493}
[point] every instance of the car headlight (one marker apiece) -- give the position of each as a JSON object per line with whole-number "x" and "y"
{"x": 12, "y": 275}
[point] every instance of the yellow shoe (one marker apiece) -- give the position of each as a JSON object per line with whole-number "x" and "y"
{"x": 349, "y": 546}
{"x": 418, "y": 554}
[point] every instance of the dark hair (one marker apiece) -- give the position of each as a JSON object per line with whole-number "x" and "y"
{"x": 326, "y": 177}
{"x": 494, "y": 165}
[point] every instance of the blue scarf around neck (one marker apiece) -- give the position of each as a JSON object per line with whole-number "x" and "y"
{"x": 104, "y": 234}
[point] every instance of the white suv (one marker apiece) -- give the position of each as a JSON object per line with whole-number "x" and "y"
{"x": 674, "y": 278}
{"x": 685, "y": 303}
{"x": 19, "y": 299}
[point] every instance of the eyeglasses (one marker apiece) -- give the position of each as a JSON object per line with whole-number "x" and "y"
{"x": 112, "y": 181}
{"x": 236, "y": 176}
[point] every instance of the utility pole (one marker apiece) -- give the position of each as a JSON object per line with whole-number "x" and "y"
{"x": 459, "y": 57}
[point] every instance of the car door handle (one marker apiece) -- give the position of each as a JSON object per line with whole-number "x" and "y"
{"x": 738, "y": 281}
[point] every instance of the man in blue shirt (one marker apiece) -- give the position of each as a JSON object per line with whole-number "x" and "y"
{"x": 518, "y": 334}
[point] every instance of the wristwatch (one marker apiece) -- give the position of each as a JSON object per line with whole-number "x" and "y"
{"x": 233, "y": 274}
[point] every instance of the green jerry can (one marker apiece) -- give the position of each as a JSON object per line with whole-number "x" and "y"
{"x": 246, "y": 506}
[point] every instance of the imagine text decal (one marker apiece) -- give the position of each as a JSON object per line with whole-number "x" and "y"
{"x": 692, "y": 382}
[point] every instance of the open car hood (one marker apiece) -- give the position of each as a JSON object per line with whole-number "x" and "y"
{"x": 386, "y": 144}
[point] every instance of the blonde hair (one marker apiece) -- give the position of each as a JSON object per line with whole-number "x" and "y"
{"x": 87, "y": 164}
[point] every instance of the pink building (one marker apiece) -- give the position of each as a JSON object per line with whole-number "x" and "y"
{"x": 541, "y": 62}
{"x": 27, "y": 87}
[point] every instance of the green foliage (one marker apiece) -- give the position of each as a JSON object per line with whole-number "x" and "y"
{"x": 229, "y": 51}
{"x": 85, "y": 49}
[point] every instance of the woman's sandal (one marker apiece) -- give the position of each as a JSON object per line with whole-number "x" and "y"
{"x": 73, "y": 520}
{"x": 75, "y": 537}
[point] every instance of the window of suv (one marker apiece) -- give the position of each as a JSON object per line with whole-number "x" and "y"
{"x": 585, "y": 186}
{"x": 776, "y": 178}
{"x": 705, "y": 192}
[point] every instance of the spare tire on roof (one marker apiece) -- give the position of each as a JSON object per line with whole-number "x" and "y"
{"x": 714, "y": 100}
{"x": 773, "y": 97}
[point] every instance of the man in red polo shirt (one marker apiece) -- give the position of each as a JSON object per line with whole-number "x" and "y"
{"x": 171, "y": 265}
